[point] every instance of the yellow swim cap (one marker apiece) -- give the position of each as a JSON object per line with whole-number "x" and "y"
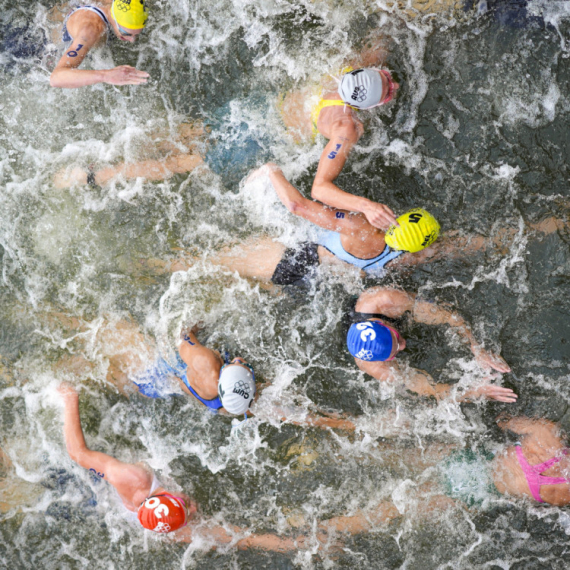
{"x": 417, "y": 230}
{"x": 129, "y": 14}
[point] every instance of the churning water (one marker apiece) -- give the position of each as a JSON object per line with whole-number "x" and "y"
{"x": 478, "y": 136}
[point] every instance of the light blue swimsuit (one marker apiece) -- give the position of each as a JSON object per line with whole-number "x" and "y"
{"x": 375, "y": 266}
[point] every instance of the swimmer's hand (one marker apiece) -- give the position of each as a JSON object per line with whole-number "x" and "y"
{"x": 491, "y": 392}
{"x": 125, "y": 75}
{"x": 494, "y": 361}
{"x": 379, "y": 215}
{"x": 67, "y": 391}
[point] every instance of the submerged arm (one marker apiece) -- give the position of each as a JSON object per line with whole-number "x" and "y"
{"x": 527, "y": 426}
{"x": 221, "y": 536}
{"x": 433, "y": 314}
{"x": 422, "y": 383}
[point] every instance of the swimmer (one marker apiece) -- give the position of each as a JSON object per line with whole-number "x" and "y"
{"x": 348, "y": 238}
{"x": 374, "y": 341}
{"x": 241, "y": 150}
{"x": 334, "y": 114}
{"x": 533, "y": 469}
{"x": 196, "y": 371}
{"x": 85, "y": 27}
{"x": 142, "y": 494}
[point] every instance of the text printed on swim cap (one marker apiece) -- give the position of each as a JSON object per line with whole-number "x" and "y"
{"x": 368, "y": 332}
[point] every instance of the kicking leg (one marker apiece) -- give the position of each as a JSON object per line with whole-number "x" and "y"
{"x": 147, "y": 169}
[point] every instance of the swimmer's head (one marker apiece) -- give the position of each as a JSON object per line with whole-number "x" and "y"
{"x": 130, "y": 16}
{"x": 374, "y": 341}
{"x": 163, "y": 513}
{"x": 236, "y": 387}
{"x": 417, "y": 230}
{"x": 364, "y": 88}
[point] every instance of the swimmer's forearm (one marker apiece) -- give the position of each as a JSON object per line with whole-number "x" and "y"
{"x": 433, "y": 314}
{"x": 422, "y": 383}
{"x": 325, "y": 422}
{"x": 329, "y": 193}
{"x": 72, "y": 78}
{"x": 73, "y": 433}
{"x": 269, "y": 542}
{"x": 221, "y": 536}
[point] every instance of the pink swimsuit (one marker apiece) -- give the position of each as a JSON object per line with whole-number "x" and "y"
{"x": 533, "y": 473}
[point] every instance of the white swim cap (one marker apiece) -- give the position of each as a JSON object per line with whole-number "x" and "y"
{"x": 361, "y": 88}
{"x": 236, "y": 388}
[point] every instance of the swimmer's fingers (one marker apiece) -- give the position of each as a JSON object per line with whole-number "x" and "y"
{"x": 125, "y": 75}
{"x": 379, "y": 215}
{"x": 67, "y": 391}
{"x": 497, "y": 393}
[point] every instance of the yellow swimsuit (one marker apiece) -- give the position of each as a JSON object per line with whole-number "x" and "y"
{"x": 328, "y": 103}
{"x": 321, "y": 105}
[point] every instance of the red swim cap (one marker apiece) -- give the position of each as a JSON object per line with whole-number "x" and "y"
{"x": 163, "y": 513}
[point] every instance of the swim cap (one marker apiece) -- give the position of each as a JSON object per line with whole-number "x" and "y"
{"x": 129, "y": 14}
{"x": 236, "y": 388}
{"x": 361, "y": 88}
{"x": 417, "y": 230}
{"x": 369, "y": 340}
{"x": 162, "y": 513}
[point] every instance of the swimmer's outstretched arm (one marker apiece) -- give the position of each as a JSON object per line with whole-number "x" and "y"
{"x": 125, "y": 477}
{"x": 527, "y": 426}
{"x": 67, "y": 75}
{"x": 220, "y": 536}
{"x": 422, "y": 383}
{"x": 394, "y": 303}
{"x": 152, "y": 170}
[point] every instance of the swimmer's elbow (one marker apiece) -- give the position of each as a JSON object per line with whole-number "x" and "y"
{"x": 77, "y": 454}
{"x": 295, "y": 207}
{"x": 317, "y": 190}
{"x": 56, "y": 80}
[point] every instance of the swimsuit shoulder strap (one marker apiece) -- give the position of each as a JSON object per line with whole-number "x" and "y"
{"x": 214, "y": 404}
{"x": 66, "y": 36}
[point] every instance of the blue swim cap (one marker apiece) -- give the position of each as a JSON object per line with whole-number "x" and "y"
{"x": 369, "y": 340}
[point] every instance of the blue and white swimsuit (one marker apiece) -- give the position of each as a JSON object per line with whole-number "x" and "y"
{"x": 98, "y": 11}
{"x": 153, "y": 383}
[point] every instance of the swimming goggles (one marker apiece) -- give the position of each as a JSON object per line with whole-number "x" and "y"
{"x": 391, "y": 87}
{"x": 398, "y": 339}
{"x": 241, "y": 361}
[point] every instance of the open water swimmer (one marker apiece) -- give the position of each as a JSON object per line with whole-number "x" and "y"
{"x": 144, "y": 496}
{"x": 373, "y": 339}
{"x": 332, "y": 113}
{"x": 218, "y": 384}
{"x": 347, "y": 239}
{"x": 87, "y": 26}
{"x": 468, "y": 479}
